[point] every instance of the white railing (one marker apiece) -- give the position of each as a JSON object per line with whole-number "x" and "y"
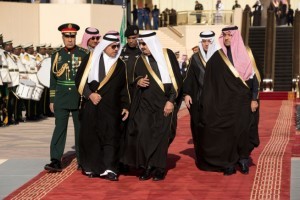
{"x": 209, "y": 17}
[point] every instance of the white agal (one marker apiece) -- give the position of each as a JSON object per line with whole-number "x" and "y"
{"x": 25, "y": 89}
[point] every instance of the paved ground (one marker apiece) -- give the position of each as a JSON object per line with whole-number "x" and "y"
{"x": 24, "y": 150}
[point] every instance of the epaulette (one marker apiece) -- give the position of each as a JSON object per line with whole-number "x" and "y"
{"x": 84, "y": 50}
{"x": 56, "y": 50}
{"x": 26, "y": 57}
{"x": 38, "y": 58}
{"x": 137, "y": 57}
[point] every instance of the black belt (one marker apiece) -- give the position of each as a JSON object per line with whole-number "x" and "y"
{"x": 3, "y": 66}
{"x": 13, "y": 70}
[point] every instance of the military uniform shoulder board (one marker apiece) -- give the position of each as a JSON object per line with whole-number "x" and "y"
{"x": 26, "y": 57}
{"x": 84, "y": 50}
{"x": 38, "y": 58}
{"x": 57, "y": 50}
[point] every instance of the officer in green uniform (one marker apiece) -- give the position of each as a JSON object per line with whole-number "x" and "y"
{"x": 64, "y": 98}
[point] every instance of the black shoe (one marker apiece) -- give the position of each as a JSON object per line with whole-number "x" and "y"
{"x": 54, "y": 166}
{"x": 229, "y": 171}
{"x": 93, "y": 175}
{"x": 159, "y": 175}
{"x": 147, "y": 173}
{"x": 244, "y": 167}
{"x": 111, "y": 176}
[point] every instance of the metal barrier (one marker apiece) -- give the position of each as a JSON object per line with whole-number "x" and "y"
{"x": 207, "y": 17}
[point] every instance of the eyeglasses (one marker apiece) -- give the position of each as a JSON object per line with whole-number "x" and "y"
{"x": 115, "y": 46}
{"x": 69, "y": 36}
{"x": 142, "y": 43}
{"x": 97, "y": 38}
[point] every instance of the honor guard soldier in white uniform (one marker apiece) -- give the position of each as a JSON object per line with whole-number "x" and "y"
{"x": 49, "y": 50}
{"x": 14, "y": 77}
{"x": 22, "y": 76}
{"x": 3, "y": 85}
{"x": 30, "y": 64}
{"x": 43, "y": 109}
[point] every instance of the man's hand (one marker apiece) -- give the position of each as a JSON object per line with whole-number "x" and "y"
{"x": 95, "y": 98}
{"x": 125, "y": 114}
{"x": 168, "y": 108}
{"x": 188, "y": 101}
{"x": 51, "y": 106}
{"x": 144, "y": 82}
{"x": 254, "y": 105}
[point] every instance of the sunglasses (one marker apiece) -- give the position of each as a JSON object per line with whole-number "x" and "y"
{"x": 95, "y": 38}
{"x": 115, "y": 46}
{"x": 69, "y": 36}
{"x": 142, "y": 43}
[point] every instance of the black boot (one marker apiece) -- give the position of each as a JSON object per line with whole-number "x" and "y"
{"x": 244, "y": 166}
{"x": 159, "y": 174}
{"x": 54, "y": 166}
{"x": 147, "y": 173}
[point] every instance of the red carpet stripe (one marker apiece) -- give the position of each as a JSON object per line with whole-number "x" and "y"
{"x": 46, "y": 183}
{"x": 267, "y": 181}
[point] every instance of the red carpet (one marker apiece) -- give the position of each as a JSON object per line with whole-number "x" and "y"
{"x": 269, "y": 176}
{"x": 277, "y": 95}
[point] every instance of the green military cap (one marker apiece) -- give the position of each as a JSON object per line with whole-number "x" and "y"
{"x": 48, "y": 46}
{"x": 68, "y": 28}
{"x": 1, "y": 35}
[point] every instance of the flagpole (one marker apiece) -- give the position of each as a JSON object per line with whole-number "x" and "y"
{"x": 123, "y": 24}
{"x": 124, "y": 13}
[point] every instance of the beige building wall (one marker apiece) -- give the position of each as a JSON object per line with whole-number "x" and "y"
{"x": 38, "y": 23}
{"x": 20, "y": 22}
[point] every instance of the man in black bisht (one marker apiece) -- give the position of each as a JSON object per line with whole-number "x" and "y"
{"x": 193, "y": 83}
{"x": 101, "y": 80}
{"x": 130, "y": 53}
{"x": 225, "y": 107}
{"x": 158, "y": 82}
